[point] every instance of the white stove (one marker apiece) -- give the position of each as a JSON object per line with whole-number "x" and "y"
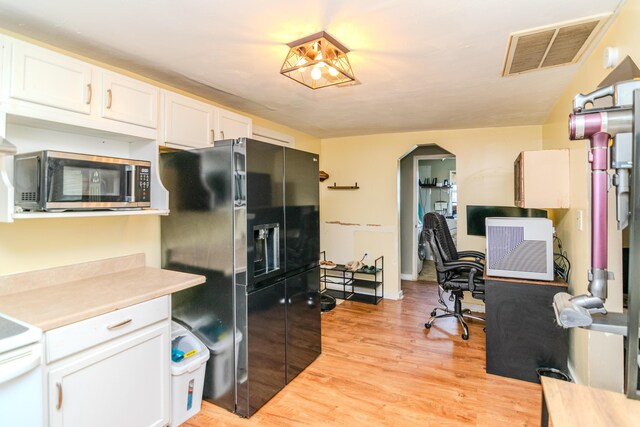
{"x": 21, "y": 398}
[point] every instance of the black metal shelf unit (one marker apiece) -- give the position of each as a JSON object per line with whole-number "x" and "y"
{"x": 349, "y": 285}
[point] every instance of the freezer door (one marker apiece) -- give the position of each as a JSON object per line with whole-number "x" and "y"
{"x": 302, "y": 213}
{"x": 303, "y": 321}
{"x": 264, "y": 347}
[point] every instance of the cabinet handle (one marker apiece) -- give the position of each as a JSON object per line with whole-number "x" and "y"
{"x": 213, "y": 135}
{"x": 120, "y": 324}
{"x": 109, "y": 98}
{"x": 89, "y": 93}
{"x": 59, "y": 404}
{"x": 222, "y": 133}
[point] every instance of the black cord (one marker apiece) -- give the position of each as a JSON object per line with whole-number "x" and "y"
{"x": 561, "y": 263}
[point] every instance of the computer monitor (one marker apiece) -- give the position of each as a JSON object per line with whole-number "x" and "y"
{"x": 476, "y": 215}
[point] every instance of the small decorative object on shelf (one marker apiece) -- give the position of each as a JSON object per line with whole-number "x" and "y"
{"x": 343, "y": 187}
{"x": 323, "y": 176}
{"x": 366, "y": 284}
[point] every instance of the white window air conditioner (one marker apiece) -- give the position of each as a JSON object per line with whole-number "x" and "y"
{"x": 520, "y": 248}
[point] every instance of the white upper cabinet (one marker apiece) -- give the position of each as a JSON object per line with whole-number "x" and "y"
{"x": 45, "y": 77}
{"x": 187, "y": 122}
{"x": 129, "y": 100}
{"x": 230, "y": 125}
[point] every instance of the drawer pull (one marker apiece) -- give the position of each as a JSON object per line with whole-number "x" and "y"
{"x": 213, "y": 136}
{"x": 59, "y": 404}
{"x": 109, "y": 98}
{"x": 119, "y": 325}
{"x": 89, "y": 94}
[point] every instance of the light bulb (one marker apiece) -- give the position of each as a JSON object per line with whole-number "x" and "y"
{"x": 300, "y": 62}
{"x": 333, "y": 71}
{"x": 316, "y": 73}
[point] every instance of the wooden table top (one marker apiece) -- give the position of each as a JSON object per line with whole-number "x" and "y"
{"x": 571, "y": 404}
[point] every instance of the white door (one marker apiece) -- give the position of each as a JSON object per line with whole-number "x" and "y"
{"x": 44, "y": 77}
{"x": 230, "y": 125}
{"x": 188, "y": 122}
{"x": 129, "y": 100}
{"x": 124, "y": 383}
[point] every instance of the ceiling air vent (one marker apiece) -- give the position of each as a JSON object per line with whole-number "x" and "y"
{"x": 559, "y": 44}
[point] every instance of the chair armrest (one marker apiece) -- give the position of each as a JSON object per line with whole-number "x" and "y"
{"x": 462, "y": 264}
{"x": 471, "y": 254}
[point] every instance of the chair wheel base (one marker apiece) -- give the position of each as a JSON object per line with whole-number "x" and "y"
{"x": 433, "y": 313}
{"x": 465, "y": 336}
{"x": 427, "y": 325}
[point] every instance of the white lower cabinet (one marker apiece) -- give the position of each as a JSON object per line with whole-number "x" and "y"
{"x": 124, "y": 381}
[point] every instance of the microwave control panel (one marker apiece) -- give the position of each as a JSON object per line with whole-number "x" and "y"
{"x": 143, "y": 178}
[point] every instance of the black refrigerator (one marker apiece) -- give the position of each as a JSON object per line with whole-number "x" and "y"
{"x": 245, "y": 214}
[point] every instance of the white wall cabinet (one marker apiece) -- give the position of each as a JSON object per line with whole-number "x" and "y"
{"x": 129, "y": 100}
{"x": 45, "y": 77}
{"x": 124, "y": 381}
{"x": 230, "y": 125}
{"x": 541, "y": 179}
{"x": 45, "y": 90}
{"x": 48, "y": 89}
{"x": 187, "y": 122}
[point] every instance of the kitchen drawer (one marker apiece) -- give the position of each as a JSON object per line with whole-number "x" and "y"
{"x": 70, "y": 339}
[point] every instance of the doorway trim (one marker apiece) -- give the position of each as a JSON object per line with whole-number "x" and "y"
{"x": 414, "y": 192}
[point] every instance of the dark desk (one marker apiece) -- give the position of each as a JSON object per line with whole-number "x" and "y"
{"x": 522, "y": 334}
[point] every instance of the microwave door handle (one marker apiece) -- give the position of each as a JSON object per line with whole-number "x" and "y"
{"x": 38, "y": 182}
{"x": 130, "y": 195}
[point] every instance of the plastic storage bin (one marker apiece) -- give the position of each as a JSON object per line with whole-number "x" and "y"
{"x": 187, "y": 374}
{"x": 222, "y": 365}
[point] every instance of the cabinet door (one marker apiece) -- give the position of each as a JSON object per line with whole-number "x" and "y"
{"x": 128, "y": 100}
{"x": 123, "y": 383}
{"x": 188, "y": 122}
{"x": 44, "y": 77}
{"x": 230, "y": 125}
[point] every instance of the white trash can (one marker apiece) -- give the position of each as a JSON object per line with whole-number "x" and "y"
{"x": 222, "y": 365}
{"x": 187, "y": 375}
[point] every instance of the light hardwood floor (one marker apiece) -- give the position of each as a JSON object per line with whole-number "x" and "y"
{"x": 380, "y": 367}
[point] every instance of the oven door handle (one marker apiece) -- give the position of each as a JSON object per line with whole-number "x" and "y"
{"x": 20, "y": 367}
{"x": 130, "y": 195}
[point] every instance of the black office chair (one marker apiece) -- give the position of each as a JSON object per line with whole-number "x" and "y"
{"x": 454, "y": 273}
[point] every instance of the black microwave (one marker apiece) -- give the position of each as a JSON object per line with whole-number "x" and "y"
{"x": 58, "y": 181}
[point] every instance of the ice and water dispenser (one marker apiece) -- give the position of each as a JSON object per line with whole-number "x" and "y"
{"x": 266, "y": 239}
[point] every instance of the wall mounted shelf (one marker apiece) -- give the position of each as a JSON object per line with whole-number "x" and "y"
{"x": 443, "y": 187}
{"x": 343, "y": 187}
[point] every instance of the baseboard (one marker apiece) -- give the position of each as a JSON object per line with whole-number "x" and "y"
{"x": 406, "y": 277}
{"x": 394, "y": 295}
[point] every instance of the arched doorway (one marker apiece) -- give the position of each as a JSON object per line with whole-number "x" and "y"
{"x": 432, "y": 165}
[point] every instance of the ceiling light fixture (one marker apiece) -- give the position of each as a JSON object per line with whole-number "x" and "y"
{"x": 317, "y": 61}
